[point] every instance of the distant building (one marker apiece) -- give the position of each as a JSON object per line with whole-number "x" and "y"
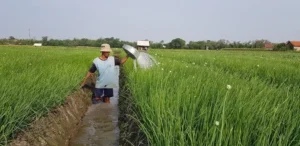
{"x": 294, "y": 44}
{"x": 37, "y": 44}
{"x": 143, "y": 45}
{"x": 269, "y": 46}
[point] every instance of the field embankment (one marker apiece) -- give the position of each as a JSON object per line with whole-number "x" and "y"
{"x": 58, "y": 126}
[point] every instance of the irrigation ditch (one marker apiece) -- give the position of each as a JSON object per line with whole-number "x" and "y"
{"x": 60, "y": 126}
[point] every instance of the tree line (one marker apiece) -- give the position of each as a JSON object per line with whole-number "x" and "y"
{"x": 179, "y": 43}
{"x": 176, "y": 43}
{"x": 114, "y": 42}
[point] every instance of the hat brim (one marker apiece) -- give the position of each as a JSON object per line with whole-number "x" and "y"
{"x": 106, "y": 50}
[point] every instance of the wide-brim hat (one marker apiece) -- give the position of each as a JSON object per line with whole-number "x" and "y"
{"x": 105, "y": 48}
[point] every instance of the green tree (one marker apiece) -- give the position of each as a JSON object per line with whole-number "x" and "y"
{"x": 177, "y": 43}
{"x": 11, "y": 38}
{"x": 281, "y": 47}
{"x": 221, "y": 44}
{"x": 45, "y": 40}
{"x": 156, "y": 45}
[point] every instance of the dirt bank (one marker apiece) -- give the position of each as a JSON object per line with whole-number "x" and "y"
{"x": 56, "y": 128}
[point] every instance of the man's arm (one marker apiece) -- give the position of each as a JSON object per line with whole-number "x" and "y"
{"x": 119, "y": 61}
{"x": 124, "y": 59}
{"x": 90, "y": 72}
{"x": 86, "y": 77}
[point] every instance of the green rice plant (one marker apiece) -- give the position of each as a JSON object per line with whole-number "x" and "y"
{"x": 272, "y": 67}
{"x": 184, "y": 102}
{"x": 34, "y": 80}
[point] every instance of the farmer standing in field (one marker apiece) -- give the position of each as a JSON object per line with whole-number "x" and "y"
{"x": 106, "y": 79}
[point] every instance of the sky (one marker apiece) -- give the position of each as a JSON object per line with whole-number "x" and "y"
{"x": 155, "y": 20}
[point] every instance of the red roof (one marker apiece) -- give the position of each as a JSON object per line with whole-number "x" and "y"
{"x": 295, "y": 43}
{"x": 268, "y": 45}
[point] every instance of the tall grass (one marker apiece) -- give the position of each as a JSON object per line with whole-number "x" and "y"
{"x": 272, "y": 67}
{"x": 186, "y": 100}
{"x": 34, "y": 80}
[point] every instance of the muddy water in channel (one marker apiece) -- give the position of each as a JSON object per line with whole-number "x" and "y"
{"x": 99, "y": 127}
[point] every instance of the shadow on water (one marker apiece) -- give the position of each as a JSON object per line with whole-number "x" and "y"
{"x": 99, "y": 127}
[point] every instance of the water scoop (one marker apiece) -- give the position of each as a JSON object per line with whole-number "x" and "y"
{"x": 131, "y": 51}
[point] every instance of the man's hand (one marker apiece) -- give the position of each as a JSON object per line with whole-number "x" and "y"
{"x": 86, "y": 77}
{"x": 82, "y": 84}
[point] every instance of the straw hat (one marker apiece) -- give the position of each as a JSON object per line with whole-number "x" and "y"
{"x": 105, "y": 48}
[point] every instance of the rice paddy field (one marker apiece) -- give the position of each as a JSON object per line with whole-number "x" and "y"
{"x": 218, "y": 98}
{"x": 191, "y": 98}
{"x": 35, "y": 80}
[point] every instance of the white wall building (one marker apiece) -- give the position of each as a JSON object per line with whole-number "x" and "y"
{"x": 143, "y": 45}
{"x": 37, "y": 44}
